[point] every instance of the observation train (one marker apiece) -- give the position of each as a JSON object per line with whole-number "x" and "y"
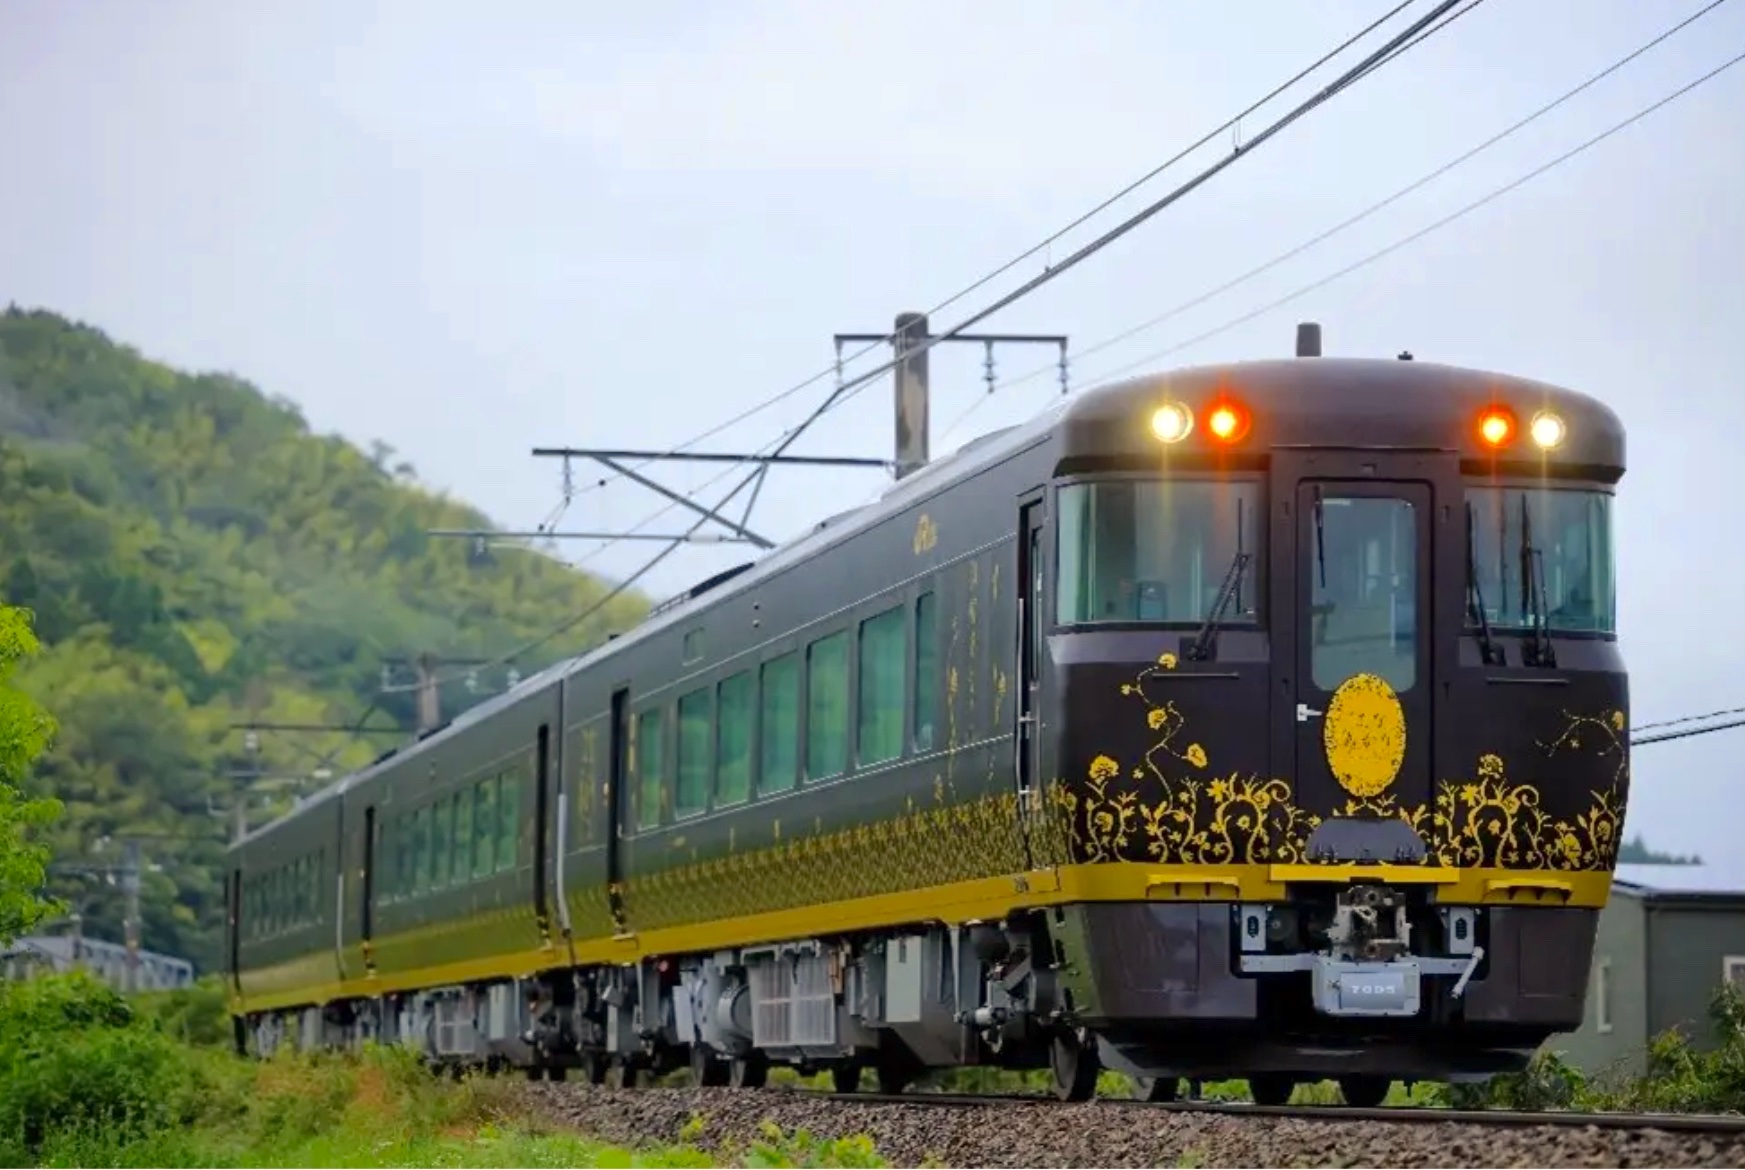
{"x": 1263, "y": 720}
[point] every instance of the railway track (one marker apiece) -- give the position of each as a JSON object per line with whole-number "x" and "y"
{"x": 1719, "y": 1125}
{"x": 1021, "y": 1129}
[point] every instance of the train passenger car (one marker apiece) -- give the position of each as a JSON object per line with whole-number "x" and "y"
{"x": 1261, "y": 720}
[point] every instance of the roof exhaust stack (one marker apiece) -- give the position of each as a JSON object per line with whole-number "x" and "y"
{"x": 1308, "y": 339}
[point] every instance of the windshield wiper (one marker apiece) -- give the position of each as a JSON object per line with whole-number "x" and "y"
{"x": 1205, "y": 642}
{"x": 1320, "y": 537}
{"x": 1536, "y": 649}
{"x": 1488, "y": 651}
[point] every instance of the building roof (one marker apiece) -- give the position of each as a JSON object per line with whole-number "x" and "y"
{"x": 1710, "y": 880}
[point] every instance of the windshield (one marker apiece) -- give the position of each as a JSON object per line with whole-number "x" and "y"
{"x": 1572, "y": 530}
{"x": 1155, "y": 550}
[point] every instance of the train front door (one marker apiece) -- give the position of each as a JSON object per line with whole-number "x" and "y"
{"x": 1363, "y": 694}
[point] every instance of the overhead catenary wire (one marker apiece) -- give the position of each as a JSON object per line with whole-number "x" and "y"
{"x": 1415, "y": 34}
{"x": 1686, "y": 733}
{"x": 1227, "y": 125}
{"x": 1378, "y": 206}
{"x": 1437, "y": 225}
{"x": 1725, "y": 712}
{"x": 1392, "y": 50}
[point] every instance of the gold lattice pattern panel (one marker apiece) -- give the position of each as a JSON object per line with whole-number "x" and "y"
{"x": 950, "y": 841}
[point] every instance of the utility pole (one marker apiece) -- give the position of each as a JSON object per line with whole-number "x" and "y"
{"x": 909, "y": 376}
{"x": 429, "y": 699}
{"x": 251, "y": 742}
{"x": 426, "y": 685}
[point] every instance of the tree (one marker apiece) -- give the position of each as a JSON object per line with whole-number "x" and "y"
{"x": 25, "y": 731}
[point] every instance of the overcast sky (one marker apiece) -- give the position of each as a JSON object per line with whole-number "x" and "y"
{"x": 471, "y": 229}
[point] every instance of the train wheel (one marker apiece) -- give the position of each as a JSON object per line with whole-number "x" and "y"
{"x": 1073, "y": 1058}
{"x": 749, "y": 1072}
{"x": 1271, "y": 1088}
{"x": 594, "y": 1067}
{"x": 1364, "y": 1091}
{"x": 1156, "y": 1088}
{"x": 622, "y": 1075}
{"x": 706, "y": 1071}
{"x": 845, "y": 1078}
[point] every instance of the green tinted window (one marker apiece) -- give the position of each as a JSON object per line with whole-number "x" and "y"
{"x": 403, "y": 846}
{"x": 827, "y": 706}
{"x": 879, "y": 730}
{"x": 733, "y": 730}
{"x": 695, "y": 731}
{"x": 508, "y": 819}
{"x": 650, "y": 775}
{"x": 926, "y": 670}
{"x": 421, "y": 850}
{"x": 778, "y": 758}
{"x": 485, "y": 827}
{"x": 1157, "y": 550}
{"x": 441, "y": 841}
{"x": 463, "y": 836}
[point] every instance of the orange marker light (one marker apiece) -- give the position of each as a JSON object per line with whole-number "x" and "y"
{"x": 1227, "y": 422}
{"x": 1496, "y": 426}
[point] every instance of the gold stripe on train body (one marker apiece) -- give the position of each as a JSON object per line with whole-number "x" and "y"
{"x": 987, "y": 898}
{"x": 1166, "y": 827}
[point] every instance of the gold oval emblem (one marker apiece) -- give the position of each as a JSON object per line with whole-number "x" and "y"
{"x": 1365, "y": 735}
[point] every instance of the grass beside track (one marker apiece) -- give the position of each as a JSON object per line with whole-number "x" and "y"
{"x": 88, "y": 1078}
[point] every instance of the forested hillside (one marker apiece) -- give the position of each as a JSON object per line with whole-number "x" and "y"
{"x": 196, "y": 556}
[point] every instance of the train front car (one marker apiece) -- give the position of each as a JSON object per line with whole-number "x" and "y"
{"x": 1338, "y": 718}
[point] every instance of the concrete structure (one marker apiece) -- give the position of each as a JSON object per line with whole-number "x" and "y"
{"x": 1669, "y": 937}
{"x": 106, "y": 960}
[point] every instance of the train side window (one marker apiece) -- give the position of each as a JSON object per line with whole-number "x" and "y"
{"x": 421, "y": 837}
{"x": 879, "y": 730}
{"x": 485, "y": 827}
{"x": 926, "y": 669}
{"x": 650, "y": 774}
{"x": 463, "y": 837}
{"x": 441, "y": 841}
{"x": 733, "y": 715}
{"x": 508, "y": 819}
{"x": 827, "y": 706}
{"x": 695, "y": 724}
{"x": 403, "y": 857}
{"x": 779, "y": 752}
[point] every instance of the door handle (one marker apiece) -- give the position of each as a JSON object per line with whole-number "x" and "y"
{"x": 1306, "y": 712}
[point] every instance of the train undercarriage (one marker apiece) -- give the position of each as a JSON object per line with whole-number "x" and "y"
{"x": 1365, "y": 984}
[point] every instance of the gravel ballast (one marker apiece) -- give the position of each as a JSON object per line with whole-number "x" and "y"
{"x": 1107, "y": 1134}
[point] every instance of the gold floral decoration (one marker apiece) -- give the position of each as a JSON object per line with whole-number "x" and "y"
{"x": 1163, "y": 810}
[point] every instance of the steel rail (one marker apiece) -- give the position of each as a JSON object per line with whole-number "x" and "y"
{"x": 1699, "y": 1123}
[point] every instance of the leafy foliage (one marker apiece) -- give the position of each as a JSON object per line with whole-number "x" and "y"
{"x": 25, "y": 730}
{"x": 87, "y": 1080}
{"x": 196, "y": 557}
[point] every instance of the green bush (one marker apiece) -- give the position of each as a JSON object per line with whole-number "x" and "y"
{"x": 75, "y": 1058}
{"x": 197, "y": 1015}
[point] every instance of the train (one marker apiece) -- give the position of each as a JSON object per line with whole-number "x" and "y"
{"x": 1260, "y": 720}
